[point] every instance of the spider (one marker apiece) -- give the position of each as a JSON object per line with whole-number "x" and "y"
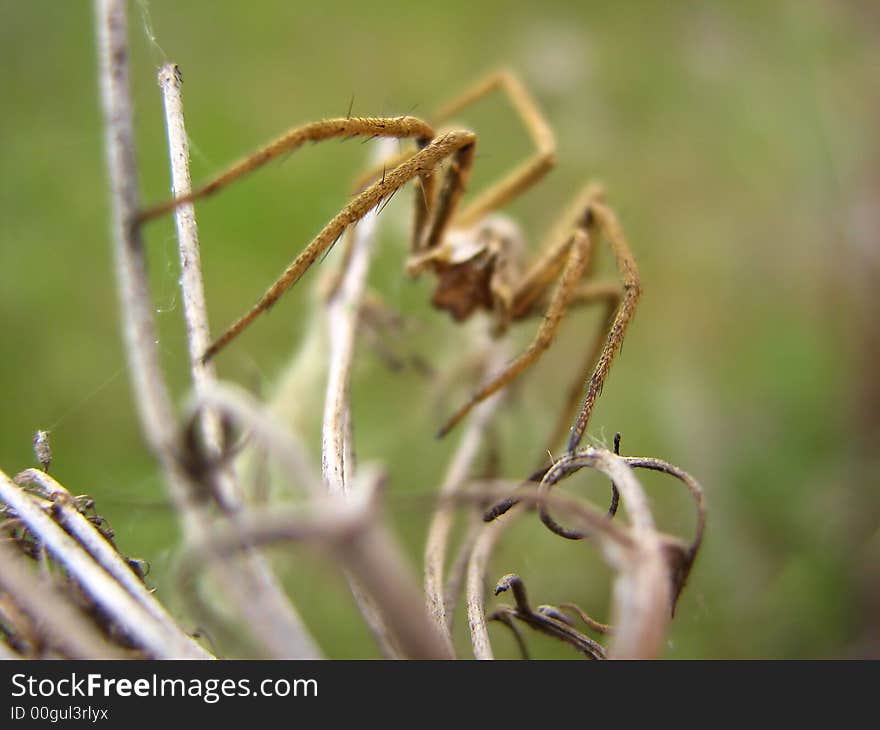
{"x": 475, "y": 253}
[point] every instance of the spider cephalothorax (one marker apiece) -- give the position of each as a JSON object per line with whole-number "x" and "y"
{"x": 475, "y": 269}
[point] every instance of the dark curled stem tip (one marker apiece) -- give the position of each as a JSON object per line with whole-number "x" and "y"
{"x": 502, "y": 507}
{"x": 551, "y": 524}
{"x": 545, "y": 619}
{"x": 505, "y": 505}
{"x": 557, "y": 529}
{"x": 513, "y": 582}
{"x": 615, "y": 494}
{"x": 680, "y": 560}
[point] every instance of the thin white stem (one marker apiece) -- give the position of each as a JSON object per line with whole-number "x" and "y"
{"x": 195, "y": 312}
{"x": 336, "y": 447}
{"x": 476, "y": 582}
{"x": 380, "y": 581}
{"x": 458, "y": 472}
{"x": 273, "y": 620}
{"x": 152, "y": 399}
{"x": 271, "y": 614}
{"x": 457, "y": 573}
{"x": 342, "y": 318}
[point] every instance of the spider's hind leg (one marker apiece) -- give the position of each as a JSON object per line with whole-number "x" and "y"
{"x": 527, "y": 173}
{"x": 590, "y": 212}
{"x": 604, "y": 221}
{"x": 608, "y": 294}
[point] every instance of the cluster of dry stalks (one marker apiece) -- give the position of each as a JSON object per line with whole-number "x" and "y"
{"x": 66, "y": 591}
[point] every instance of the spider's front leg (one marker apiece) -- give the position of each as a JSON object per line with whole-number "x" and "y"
{"x": 433, "y": 151}
{"x": 455, "y": 143}
{"x": 293, "y": 139}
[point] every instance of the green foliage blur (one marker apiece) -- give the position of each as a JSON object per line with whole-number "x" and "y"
{"x": 737, "y": 141}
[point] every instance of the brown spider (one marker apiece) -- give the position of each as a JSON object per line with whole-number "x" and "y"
{"x": 475, "y": 254}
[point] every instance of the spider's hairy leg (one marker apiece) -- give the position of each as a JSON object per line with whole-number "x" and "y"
{"x": 539, "y": 277}
{"x": 602, "y": 218}
{"x": 399, "y": 127}
{"x": 424, "y": 188}
{"x": 419, "y": 164}
{"x": 378, "y": 170}
{"x": 424, "y": 198}
{"x": 454, "y": 183}
{"x": 608, "y": 293}
{"x": 527, "y": 173}
{"x": 425, "y": 201}
{"x": 577, "y": 245}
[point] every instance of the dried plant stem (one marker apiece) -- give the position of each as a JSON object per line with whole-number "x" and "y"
{"x": 336, "y": 442}
{"x": 531, "y": 495}
{"x": 70, "y": 518}
{"x": 264, "y": 428}
{"x": 323, "y": 526}
{"x": 151, "y": 394}
{"x": 60, "y": 623}
{"x": 376, "y": 560}
{"x": 457, "y": 574}
{"x": 476, "y": 582}
{"x": 545, "y": 619}
{"x": 341, "y": 314}
{"x": 195, "y": 311}
{"x": 456, "y": 476}
{"x": 352, "y": 534}
{"x": 642, "y": 590}
{"x": 587, "y": 619}
{"x": 377, "y": 570}
{"x": 643, "y": 586}
{"x": 269, "y": 601}
{"x": 367, "y": 554}
{"x": 274, "y": 621}
{"x": 693, "y": 487}
{"x": 152, "y": 635}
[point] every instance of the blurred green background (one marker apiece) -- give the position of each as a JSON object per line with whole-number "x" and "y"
{"x": 738, "y": 143}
